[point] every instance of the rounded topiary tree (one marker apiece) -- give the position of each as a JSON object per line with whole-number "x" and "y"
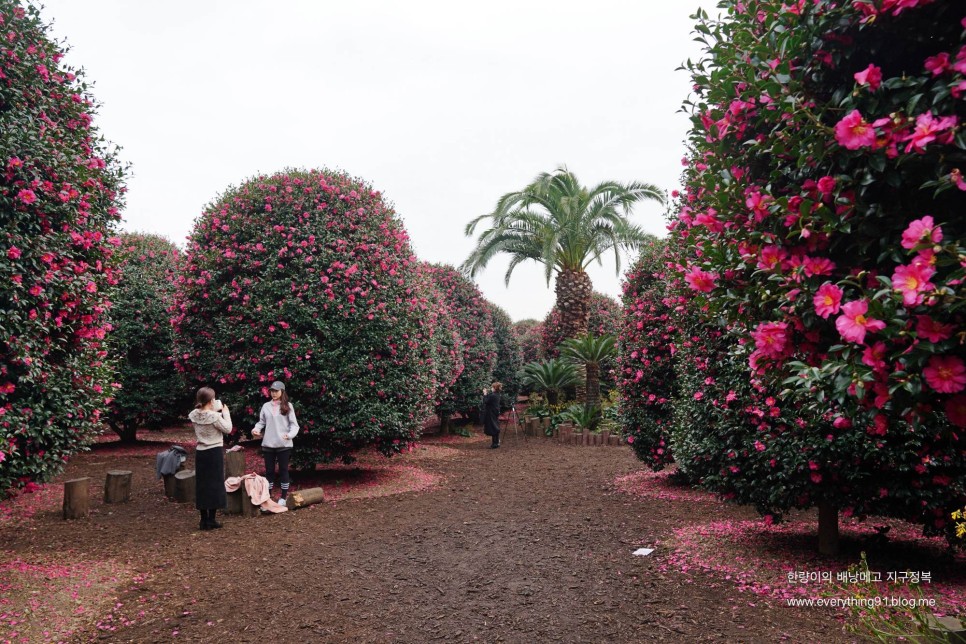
{"x": 59, "y": 199}
{"x": 529, "y": 335}
{"x": 645, "y": 380}
{"x": 308, "y": 277}
{"x": 509, "y": 356}
{"x": 604, "y": 319}
{"x": 152, "y": 392}
{"x": 471, "y": 313}
{"x": 822, "y": 221}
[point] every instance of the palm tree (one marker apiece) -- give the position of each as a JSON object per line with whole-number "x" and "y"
{"x": 550, "y": 376}
{"x": 565, "y": 226}
{"x": 591, "y": 352}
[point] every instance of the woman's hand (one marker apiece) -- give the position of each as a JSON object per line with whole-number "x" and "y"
{"x": 256, "y": 433}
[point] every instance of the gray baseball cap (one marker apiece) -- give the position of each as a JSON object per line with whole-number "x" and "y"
{"x": 279, "y": 385}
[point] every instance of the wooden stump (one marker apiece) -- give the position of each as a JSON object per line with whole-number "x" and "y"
{"x": 169, "y": 486}
{"x": 184, "y": 486}
{"x": 605, "y": 437}
{"x": 302, "y": 498}
{"x": 544, "y": 426}
{"x": 117, "y": 487}
{"x": 614, "y": 441}
{"x": 77, "y": 500}
{"x": 239, "y": 502}
{"x": 533, "y": 426}
{"x": 234, "y": 464}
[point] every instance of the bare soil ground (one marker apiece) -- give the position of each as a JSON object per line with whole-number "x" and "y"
{"x": 455, "y": 542}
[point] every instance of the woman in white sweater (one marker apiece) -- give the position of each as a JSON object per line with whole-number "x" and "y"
{"x": 211, "y": 421}
{"x": 277, "y": 422}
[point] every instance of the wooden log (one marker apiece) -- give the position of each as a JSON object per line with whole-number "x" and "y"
{"x": 534, "y": 426}
{"x": 184, "y": 486}
{"x": 544, "y": 426}
{"x": 77, "y": 500}
{"x": 614, "y": 440}
{"x": 605, "y": 437}
{"x": 117, "y": 487}
{"x": 302, "y": 498}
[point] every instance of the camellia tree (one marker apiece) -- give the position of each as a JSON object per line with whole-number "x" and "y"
{"x": 60, "y": 192}
{"x": 822, "y": 223}
{"x": 152, "y": 392}
{"x": 509, "y": 356}
{"x": 646, "y": 380}
{"x": 529, "y": 335}
{"x": 308, "y": 277}
{"x": 558, "y": 222}
{"x": 474, "y": 322}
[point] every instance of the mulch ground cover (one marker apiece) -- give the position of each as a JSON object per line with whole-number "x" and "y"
{"x": 454, "y": 541}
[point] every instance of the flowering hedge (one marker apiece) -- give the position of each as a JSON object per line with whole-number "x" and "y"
{"x": 823, "y": 220}
{"x": 604, "y": 319}
{"x": 645, "y": 369}
{"x": 471, "y": 313}
{"x": 509, "y": 356}
{"x": 529, "y": 335}
{"x": 59, "y": 197}
{"x": 308, "y": 277}
{"x": 152, "y": 392}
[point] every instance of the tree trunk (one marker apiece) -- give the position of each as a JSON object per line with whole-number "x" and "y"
{"x": 573, "y": 290}
{"x": 77, "y": 500}
{"x": 117, "y": 487}
{"x": 828, "y": 529}
{"x": 126, "y": 433}
{"x": 592, "y": 395}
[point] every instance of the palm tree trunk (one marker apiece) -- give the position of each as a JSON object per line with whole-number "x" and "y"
{"x": 573, "y": 290}
{"x": 592, "y": 396}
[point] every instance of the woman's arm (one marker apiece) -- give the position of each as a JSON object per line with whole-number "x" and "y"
{"x": 293, "y": 424}
{"x": 223, "y": 424}
{"x": 260, "y": 425}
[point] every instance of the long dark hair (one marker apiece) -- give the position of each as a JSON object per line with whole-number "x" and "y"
{"x": 204, "y": 396}
{"x": 283, "y": 405}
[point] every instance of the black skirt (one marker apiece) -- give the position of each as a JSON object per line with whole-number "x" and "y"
{"x": 210, "y": 479}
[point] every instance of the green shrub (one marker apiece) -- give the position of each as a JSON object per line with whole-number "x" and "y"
{"x": 308, "y": 277}
{"x": 59, "y": 197}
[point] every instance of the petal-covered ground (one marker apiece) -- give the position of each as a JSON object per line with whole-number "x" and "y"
{"x": 452, "y": 541}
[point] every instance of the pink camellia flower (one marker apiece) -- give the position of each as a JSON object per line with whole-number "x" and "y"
{"x": 27, "y": 196}
{"x": 945, "y": 374}
{"x": 874, "y": 356}
{"x": 817, "y": 266}
{"x": 956, "y": 410}
{"x": 928, "y": 329}
{"x": 853, "y": 132}
{"x": 921, "y": 231}
{"x": 871, "y": 76}
{"x": 13, "y": 252}
{"x": 928, "y": 129}
{"x": 937, "y": 64}
{"x": 700, "y": 280}
{"x": 912, "y": 281}
{"x": 826, "y": 185}
{"x": 771, "y": 256}
{"x": 852, "y": 325}
{"x": 879, "y": 426}
{"x": 771, "y": 338}
{"x": 827, "y": 300}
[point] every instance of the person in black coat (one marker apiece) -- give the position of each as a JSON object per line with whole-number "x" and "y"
{"x": 491, "y": 413}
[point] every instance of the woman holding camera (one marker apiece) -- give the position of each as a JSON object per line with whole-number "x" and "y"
{"x": 211, "y": 422}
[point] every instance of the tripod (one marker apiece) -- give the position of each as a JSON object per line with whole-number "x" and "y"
{"x": 510, "y": 420}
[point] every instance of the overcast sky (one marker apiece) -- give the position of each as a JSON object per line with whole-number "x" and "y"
{"x": 442, "y": 105}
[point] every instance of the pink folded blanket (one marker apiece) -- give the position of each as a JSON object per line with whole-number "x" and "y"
{"x": 257, "y": 488}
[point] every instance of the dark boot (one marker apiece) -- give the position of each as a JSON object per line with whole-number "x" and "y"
{"x": 204, "y": 520}
{"x": 212, "y": 523}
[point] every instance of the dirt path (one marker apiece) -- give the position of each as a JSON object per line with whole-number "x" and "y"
{"x": 528, "y": 543}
